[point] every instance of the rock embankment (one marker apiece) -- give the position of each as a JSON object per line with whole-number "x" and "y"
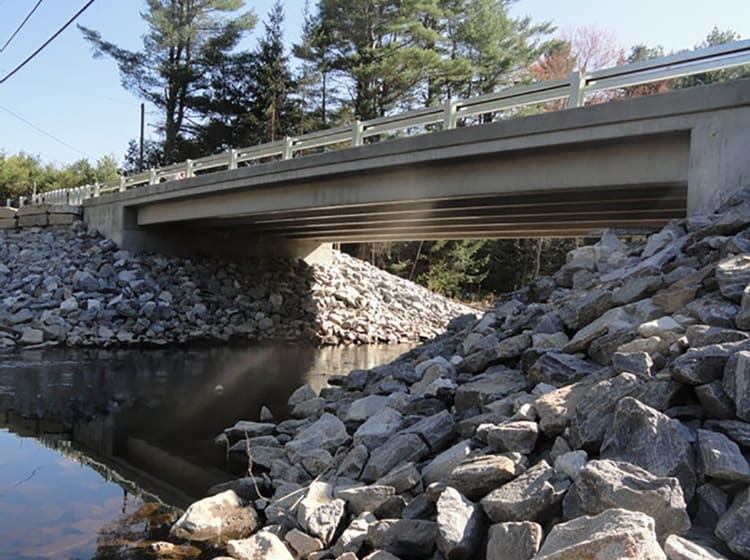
{"x": 602, "y": 413}
{"x": 68, "y": 286}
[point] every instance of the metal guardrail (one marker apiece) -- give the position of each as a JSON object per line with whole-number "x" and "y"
{"x": 573, "y": 89}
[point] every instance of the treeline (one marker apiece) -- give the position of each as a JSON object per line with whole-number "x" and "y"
{"x": 21, "y": 173}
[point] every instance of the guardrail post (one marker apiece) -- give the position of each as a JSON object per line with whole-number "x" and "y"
{"x": 577, "y": 83}
{"x": 97, "y": 190}
{"x": 288, "y": 147}
{"x": 449, "y": 115}
{"x": 232, "y": 159}
{"x": 152, "y": 180}
{"x": 188, "y": 168}
{"x": 122, "y": 183}
{"x": 357, "y": 129}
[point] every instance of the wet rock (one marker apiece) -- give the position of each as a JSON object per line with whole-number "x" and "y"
{"x": 263, "y": 546}
{"x": 527, "y": 497}
{"x": 604, "y": 484}
{"x": 649, "y": 439}
{"x": 460, "y": 524}
{"x": 477, "y": 476}
{"x": 720, "y": 458}
{"x": 734, "y": 526}
{"x": 216, "y": 520}
{"x": 615, "y": 533}
{"x": 514, "y": 541}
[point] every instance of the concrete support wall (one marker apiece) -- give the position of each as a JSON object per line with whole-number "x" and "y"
{"x": 719, "y": 159}
{"x": 118, "y": 223}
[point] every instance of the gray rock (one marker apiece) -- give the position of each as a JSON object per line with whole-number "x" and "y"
{"x": 704, "y": 335}
{"x": 31, "y": 336}
{"x": 557, "y": 408}
{"x": 527, "y": 497}
{"x": 518, "y": 436}
{"x": 360, "y": 499}
{"x": 399, "y": 449}
{"x": 412, "y": 538}
{"x": 742, "y": 321}
{"x": 216, "y": 520}
{"x": 247, "y": 429}
{"x": 461, "y": 525}
{"x": 605, "y": 484}
{"x": 594, "y": 413}
{"x": 263, "y": 546}
{"x": 328, "y": 432}
{"x": 492, "y": 385}
{"x": 677, "y": 548}
{"x": 734, "y": 526}
{"x": 637, "y": 289}
{"x": 378, "y": 428}
{"x": 720, "y": 458}
{"x": 514, "y": 540}
{"x": 437, "y": 430}
{"x": 560, "y": 369}
{"x": 353, "y": 462}
{"x": 736, "y": 383}
{"x": 739, "y": 432}
{"x": 319, "y": 513}
{"x": 699, "y": 366}
{"x": 647, "y": 438}
{"x": 477, "y": 476}
{"x": 615, "y": 533}
{"x": 639, "y": 363}
{"x": 354, "y": 536}
{"x": 733, "y": 276}
{"x": 713, "y": 310}
{"x": 403, "y": 478}
{"x": 715, "y": 401}
{"x": 711, "y": 505}
{"x": 362, "y": 409}
{"x": 440, "y": 468}
{"x": 571, "y": 463}
{"x": 582, "y": 310}
{"x": 511, "y": 347}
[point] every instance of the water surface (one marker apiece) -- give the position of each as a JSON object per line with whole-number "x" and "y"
{"x": 98, "y": 449}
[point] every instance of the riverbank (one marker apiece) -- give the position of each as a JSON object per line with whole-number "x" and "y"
{"x": 68, "y": 286}
{"x": 602, "y": 412}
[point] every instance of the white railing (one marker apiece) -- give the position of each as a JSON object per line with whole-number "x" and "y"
{"x": 573, "y": 90}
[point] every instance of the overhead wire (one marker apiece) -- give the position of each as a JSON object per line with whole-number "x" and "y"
{"x": 13, "y": 36}
{"x": 42, "y": 131}
{"x": 47, "y": 42}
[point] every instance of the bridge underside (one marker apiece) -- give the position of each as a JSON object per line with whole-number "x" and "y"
{"x": 560, "y": 214}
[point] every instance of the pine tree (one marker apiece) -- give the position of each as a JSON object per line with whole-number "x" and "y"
{"x": 169, "y": 71}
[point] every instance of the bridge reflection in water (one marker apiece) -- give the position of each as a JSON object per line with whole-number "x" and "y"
{"x": 147, "y": 420}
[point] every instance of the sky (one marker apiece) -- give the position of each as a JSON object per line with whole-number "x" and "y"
{"x": 65, "y": 105}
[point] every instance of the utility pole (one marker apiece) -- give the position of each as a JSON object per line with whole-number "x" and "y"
{"x": 143, "y": 126}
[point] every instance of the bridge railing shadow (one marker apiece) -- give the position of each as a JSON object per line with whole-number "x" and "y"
{"x": 569, "y": 92}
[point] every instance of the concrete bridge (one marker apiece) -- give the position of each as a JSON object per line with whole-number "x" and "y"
{"x": 630, "y": 164}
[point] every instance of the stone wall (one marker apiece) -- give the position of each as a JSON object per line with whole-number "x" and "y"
{"x": 41, "y": 215}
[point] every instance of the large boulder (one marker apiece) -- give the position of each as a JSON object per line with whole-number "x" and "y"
{"x": 604, "y": 484}
{"x": 461, "y": 526}
{"x": 613, "y": 534}
{"x": 647, "y": 438}
{"x": 217, "y": 520}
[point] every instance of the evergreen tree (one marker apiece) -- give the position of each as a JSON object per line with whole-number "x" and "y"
{"x": 169, "y": 71}
{"x": 273, "y": 111}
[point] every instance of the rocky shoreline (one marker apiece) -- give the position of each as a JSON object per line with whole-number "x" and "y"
{"x": 68, "y": 286}
{"x": 602, "y": 413}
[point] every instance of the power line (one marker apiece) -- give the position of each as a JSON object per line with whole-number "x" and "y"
{"x": 31, "y": 13}
{"x": 41, "y": 130}
{"x": 48, "y": 41}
